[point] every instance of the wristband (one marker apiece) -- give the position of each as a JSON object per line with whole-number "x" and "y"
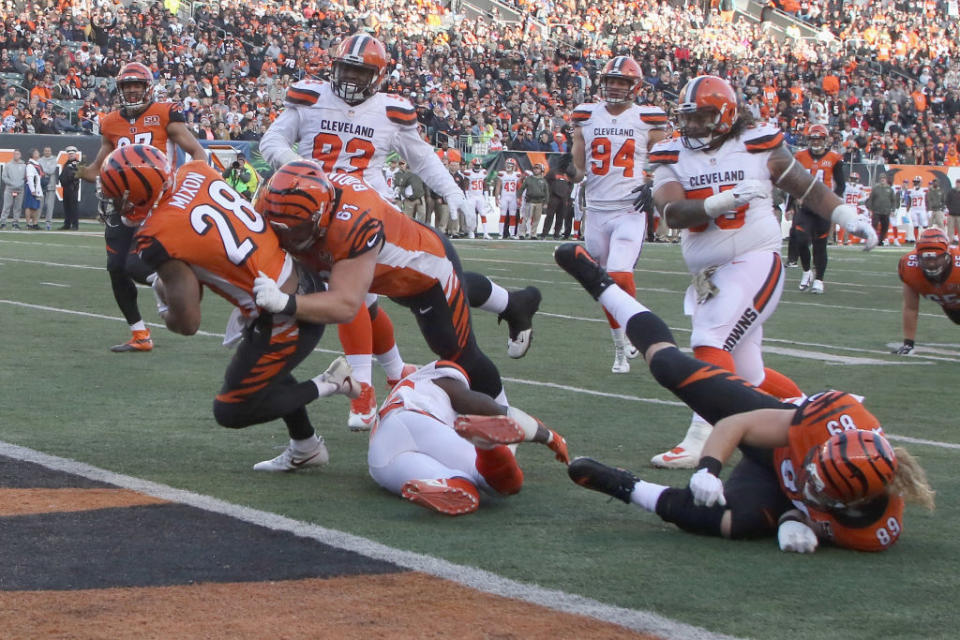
{"x": 290, "y": 309}
{"x": 711, "y": 464}
{"x": 907, "y": 343}
{"x": 791, "y": 516}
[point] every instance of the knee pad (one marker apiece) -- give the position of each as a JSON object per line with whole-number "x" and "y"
{"x": 478, "y": 287}
{"x": 230, "y": 414}
{"x": 676, "y": 506}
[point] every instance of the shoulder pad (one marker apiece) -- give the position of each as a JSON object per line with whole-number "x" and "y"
{"x": 653, "y": 115}
{"x": 303, "y": 94}
{"x": 583, "y": 113}
{"x": 400, "y": 110}
{"x": 665, "y": 151}
{"x": 761, "y": 138}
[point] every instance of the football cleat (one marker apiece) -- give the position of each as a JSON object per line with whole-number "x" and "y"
{"x": 558, "y": 444}
{"x": 805, "y": 280}
{"x": 450, "y": 496}
{"x": 617, "y": 483}
{"x": 576, "y": 261}
{"x": 140, "y": 341}
{"x": 293, "y": 460}
{"x": 521, "y": 307}
{"x": 817, "y": 286}
{"x": 631, "y": 351}
{"x": 363, "y": 410}
{"x": 487, "y": 432}
{"x": 407, "y": 370}
{"x": 686, "y": 455}
{"x": 620, "y": 362}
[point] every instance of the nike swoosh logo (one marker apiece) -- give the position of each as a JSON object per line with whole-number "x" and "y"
{"x": 373, "y": 241}
{"x": 368, "y": 420}
{"x": 424, "y": 310}
{"x": 298, "y": 463}
{"x": 669, "y": 458}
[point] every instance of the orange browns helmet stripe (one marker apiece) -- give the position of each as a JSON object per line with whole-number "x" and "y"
{"x": 137, "y": 175}
{"x": 853, "y": 465}
{"x": 933, "y": 239}
{"x": 364, "y": 51}
{"x": 626, "y": 68}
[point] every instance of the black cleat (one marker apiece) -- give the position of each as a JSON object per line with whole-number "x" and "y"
{"x": 576, "y": 261}
{"x": 591, "y": 474}
{"x": 521, "y": 306}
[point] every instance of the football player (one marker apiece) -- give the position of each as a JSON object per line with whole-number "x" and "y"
{"x": 476, "y": 177}
{"x": 931, "y": 270}
{"x": 439, "y": 444}
{"x": 812, "y": 230}
{"x": 340, "y": 224}
{"x": 919, "y": 215}
{"x": 715, "y": 183}
{"x": 139, "y": 120}
{"x": 508, "y": 182}
{"x": 201, "y": 233}
{"x": 610, "y": 143}
{"x": 818, "y": 470}
{"x": 350, "y": 126}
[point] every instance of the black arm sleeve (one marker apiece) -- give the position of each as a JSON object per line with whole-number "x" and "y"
{"x": 839, "y": 181}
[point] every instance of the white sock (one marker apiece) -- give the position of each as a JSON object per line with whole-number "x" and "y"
{"x": 501, "y": 398}
{"x": 138, "y": 326}
{"x": 621, "y": 305}
{"x": 362, "y": 365}
{"x": 497, "y": 302}
{"x": 304, "y": 446}
{"x": 645, "y": 495}
{"x": 618, "y": 336}
{"x": 391, "y": 363}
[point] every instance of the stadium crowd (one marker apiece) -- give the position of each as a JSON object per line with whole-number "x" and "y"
{"x": 884, "y": 76}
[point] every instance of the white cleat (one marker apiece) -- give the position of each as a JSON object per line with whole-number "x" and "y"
{"x": 816, "y": 287}
{"x": 292, "y": 460}
{"x": 517, "y": 348}
{"x": 685, "y": 455}
{"x": 620, "y": 362}
{"x": 632, "y": 352}
{"x": 806, "y": 280}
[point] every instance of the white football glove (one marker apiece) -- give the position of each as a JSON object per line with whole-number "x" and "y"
{"x": 268, "y": 294}
{"x": 729, "y": 200}
{"x": 707, "y": 489}
{"x": 338, "y": 379}
{"x": 797, "y": 537}
{"x": 457, "y": 204}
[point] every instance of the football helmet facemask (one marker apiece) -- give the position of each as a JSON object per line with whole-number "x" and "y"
{"x": 298, "y": 202}
{"x": 620, "y": 80}
{"x": 706, "y": 112}
{"x": 933, "y": 254}
{"x": 134, "y": 88}
{"x": 850, "y": 468}
{"x": 359, "y": 68}
{"x": 133, "y": 178}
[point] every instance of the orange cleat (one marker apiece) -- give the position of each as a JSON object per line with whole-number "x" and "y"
{"x": 407, "y": 370}
{"x": 450, "y": 496}
{"x": 141, "y": 341}
{"x": 363, "y": 410}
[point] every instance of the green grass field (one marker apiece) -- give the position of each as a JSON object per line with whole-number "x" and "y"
{"x": 149, "y": 415}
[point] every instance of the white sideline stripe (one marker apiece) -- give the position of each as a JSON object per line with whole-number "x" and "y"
{"x": 836, "y": 359}
{"x": 535, "y": 383}
{"x": 478, "y": 579}
{"x": 932, "y": 443}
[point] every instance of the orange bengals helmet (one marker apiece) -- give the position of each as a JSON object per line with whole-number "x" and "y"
{"x": 933, "y": 254}
{"x": 297, "y": 201}
{"x": 133, "y": 73}
{"x": 706, "y": 111}
{"x": 134, "y": 177}
{"x": 359, "y": 67}
{"x": 850, "y": 467}
{"x": 620, "y": 68}
{"x": 817, "y": 136}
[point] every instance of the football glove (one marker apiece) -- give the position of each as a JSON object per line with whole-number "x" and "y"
{"x": 795, "y": 536}
{"x": 905, "y": 349}
{"x": 642, "y": 197}
{"x": 707, "y": 489}
{"x": 338, "y": 379}
{"x": 271, "y": 298}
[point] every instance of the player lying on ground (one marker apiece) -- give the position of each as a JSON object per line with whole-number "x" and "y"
{"x": 818, "y": 471}
{"x": 416, "y": 451}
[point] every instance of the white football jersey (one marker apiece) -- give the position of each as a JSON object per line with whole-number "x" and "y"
{"x": 509, "y": 183}
{"x": 853, "y": 193}
{"x": 616, "y": 151}
{"x": 352, "y": 138}
{"x": 918, "y": 199}
{"x": 476, "y": 184}
{"x": 389, "y": 175}
{"x": 753, "y": 227}
{"x": 417, "y": 392}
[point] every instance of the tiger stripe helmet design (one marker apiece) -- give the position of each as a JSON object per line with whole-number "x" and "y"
{"x": 298, "y": 202}
{"x": 706, "y": 111}
{"x": 620, "y": 68}
{"x": 359, "y": 68}
{"x": 817, "y": 137}
{"x": 135, "y": 177}
{"x": 933, "y": 253}
{"x": 130, "y": 74}
{"x": 851, "y": 467}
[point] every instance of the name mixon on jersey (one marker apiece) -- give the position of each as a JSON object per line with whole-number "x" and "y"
{"x": 188, "y": 190}
{"x": 612, "y": 131}
{"x": 347, "y": 127}
{"x": 717, "y": 177}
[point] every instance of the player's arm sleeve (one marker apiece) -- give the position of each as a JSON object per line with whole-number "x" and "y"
{"x": 276, "y": 146}
{"x": 839, "y": 181}
{"x": 424, "y": 162}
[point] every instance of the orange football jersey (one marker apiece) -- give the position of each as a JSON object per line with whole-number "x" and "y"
{"x": 946, "y": 293}
{"x": 410, "y": 259}
{"x": 150, "y": 127}
{"x": 819, "y": 418}
{"x": 821, "y": 168}
{"x": 205, "y": 223}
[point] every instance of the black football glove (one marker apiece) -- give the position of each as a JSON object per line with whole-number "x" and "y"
{"x": 642, "y": 197}
{"x": 905, "y": 349}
